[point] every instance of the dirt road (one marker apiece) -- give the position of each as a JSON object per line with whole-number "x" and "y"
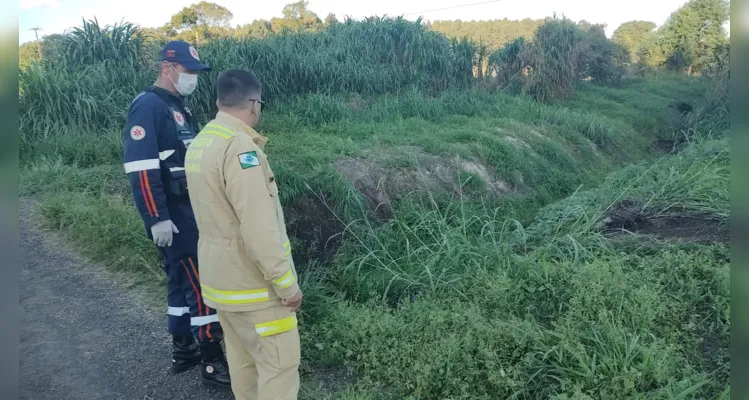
{"x": 83, "y": 337}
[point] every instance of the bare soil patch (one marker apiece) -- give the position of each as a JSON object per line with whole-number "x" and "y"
{"x": 664, "y": 145}
{"x": 381, "y": 183}
{"x": 627, "y": 216}
{"x": 312, "y": 222}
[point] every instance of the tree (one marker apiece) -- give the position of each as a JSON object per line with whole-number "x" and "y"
{"x": 601, "y": 59}
{"x": 258, "y": 29}
{"x": 330, "y": 19}
{"x": 692, "y": 34}
{"x": 495, "y": 33}
{"x": 633, "y": 35}
{"x": 53, "y": 48}
{"x": 28, "y": 53}
{"x": 200, "y": 18}
{"x": 651, "y": 54}
{"x": 297, "y": 17}
{"x": 159, "y": 35}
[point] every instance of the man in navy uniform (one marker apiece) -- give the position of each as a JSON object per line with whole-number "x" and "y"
{"x": 159, "y": 128}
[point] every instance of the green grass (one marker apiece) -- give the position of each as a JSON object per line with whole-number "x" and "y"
{"x": 463, "y": 294}
{"x": 491, "y": 267}
{"x": 542, "y": 153}
{"x": 577, "y": 315}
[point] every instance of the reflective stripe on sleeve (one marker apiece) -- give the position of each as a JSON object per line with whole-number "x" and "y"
{"x": 163, "y": 155}
{"x": 277, "y": 326}
{"x": 218, "y": 130}
{"x": 175, "y": 169}
{"x": 177, "y": 311}
{"x": 287, "y": 247}
{"x": 142, "y": 165}
{"x": 235, "y": 296}
{"x": 205, "y": 320}
{"x": 286, "y": 280}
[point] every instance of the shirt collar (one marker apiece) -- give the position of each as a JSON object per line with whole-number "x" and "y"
{"x": 238, "y": 125}
{"x": 176, "y": 97}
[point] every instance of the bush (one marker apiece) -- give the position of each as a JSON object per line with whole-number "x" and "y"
{"x": 509, "y": 63}
{"x": 371, "y": 57}
{"x": 554, "y": 60}
{"x": 601, "y": 60}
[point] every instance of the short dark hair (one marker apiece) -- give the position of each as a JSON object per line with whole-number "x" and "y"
{"x": 236, "y": 87}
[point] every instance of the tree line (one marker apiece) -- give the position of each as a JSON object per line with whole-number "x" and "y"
{"x": 691, "y": 40}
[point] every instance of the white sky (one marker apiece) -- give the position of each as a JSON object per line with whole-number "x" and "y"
{"x": 55, "y": 16}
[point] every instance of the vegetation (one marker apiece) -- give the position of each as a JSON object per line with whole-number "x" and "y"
{"x": 632, "y": 35}
{"x": 690, "y": 39}
{"x": 494, "y": 33}
{"x": 528, "y": 221}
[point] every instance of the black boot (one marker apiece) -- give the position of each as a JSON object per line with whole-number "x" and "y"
{"x": 185, "y": 353}
{"x": 214, "y": 369}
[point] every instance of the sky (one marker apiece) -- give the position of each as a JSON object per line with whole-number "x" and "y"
{"x": 56, "y": 16}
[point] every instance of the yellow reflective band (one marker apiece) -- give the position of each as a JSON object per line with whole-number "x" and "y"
{"x": 287, "y": 246}
{"x": 201, "y": 141}
{"x": 286, "y": 280}
{"x": 235, "y": 296}
{"x": 217, "y": 127}
{"x": 193, "y": 154}
{"x": 217, "y": 133}
{"x": 276, "y": 327}
{"x": 191, "y": 166}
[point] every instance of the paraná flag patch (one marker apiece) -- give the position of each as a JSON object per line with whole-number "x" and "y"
{"x": 249, "y": 160}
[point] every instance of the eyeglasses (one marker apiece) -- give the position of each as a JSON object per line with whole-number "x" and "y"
{"x": 262, "y": 103}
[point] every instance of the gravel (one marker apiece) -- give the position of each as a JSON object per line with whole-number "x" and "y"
{"x": 84, "y": 337}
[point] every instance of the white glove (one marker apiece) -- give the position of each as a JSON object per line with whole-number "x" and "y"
{"x": 162, "y": 232}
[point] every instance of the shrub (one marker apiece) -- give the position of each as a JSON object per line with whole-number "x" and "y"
{"x": 554, "y": 60}
{"x": 509, "y": 62}
{"x": 601, "y": 60}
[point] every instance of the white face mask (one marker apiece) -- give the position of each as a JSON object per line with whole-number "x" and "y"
{"x": 186, "y": 83}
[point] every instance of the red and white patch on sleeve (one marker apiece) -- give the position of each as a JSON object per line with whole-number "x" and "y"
{"x": 137, "y": 132}
{"x": 179, "y": 118}
{"x": 194, "y": 53}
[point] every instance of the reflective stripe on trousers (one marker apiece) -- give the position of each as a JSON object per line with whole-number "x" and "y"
{"x": 277, "y": 326}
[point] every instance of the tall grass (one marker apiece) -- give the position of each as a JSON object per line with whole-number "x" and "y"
{"x": 457, "y": 294}
{"x": 509, "y": 63}
{"x": 375, "y": 56}
{"x": 460, "y": 303}
{"x": 554, "y": 55}
{"x": 94, "y": 96}
{"x": 91, "y": 43}
{"x": 96, "y": 71}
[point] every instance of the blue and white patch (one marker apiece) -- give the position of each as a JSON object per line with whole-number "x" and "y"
{"x": 249, "y": 160}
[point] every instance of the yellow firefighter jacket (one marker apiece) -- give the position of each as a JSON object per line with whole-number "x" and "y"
{"x": 243, "y": 251}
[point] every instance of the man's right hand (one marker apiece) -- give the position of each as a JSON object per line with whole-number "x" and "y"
{"x": 162, "y": 232}
{"x": 293, "y": 302}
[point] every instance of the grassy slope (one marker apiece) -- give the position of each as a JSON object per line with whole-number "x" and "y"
{"x": 528, "y": 322}
{"x": 557, "y": 309}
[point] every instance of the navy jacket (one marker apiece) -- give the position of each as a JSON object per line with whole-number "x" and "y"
{"x": 158, "y": 130}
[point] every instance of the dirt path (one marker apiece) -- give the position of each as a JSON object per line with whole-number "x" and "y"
{"x": 83, "y": 337}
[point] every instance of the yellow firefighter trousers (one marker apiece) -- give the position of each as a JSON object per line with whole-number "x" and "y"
{"x": 261, "y": 367}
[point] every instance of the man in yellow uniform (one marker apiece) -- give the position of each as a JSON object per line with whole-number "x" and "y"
{"x": 246, "y": 270}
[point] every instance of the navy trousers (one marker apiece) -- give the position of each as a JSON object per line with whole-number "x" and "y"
{"x": 186, "y": 312}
